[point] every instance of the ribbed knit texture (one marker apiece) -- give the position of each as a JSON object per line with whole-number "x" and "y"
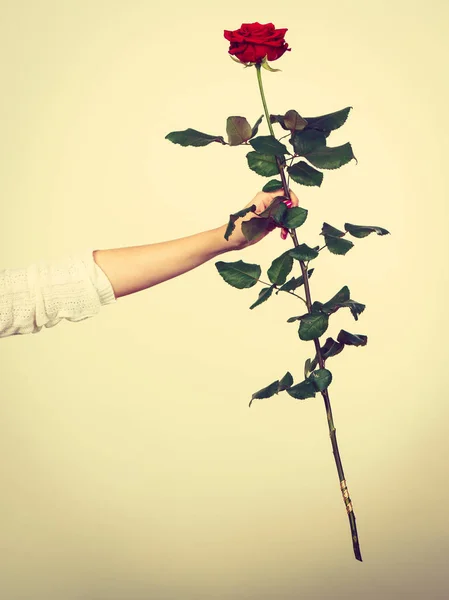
{"x": 71, "y": 287}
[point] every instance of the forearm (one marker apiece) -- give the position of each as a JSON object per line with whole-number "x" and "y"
{"x": 136, "y": 268}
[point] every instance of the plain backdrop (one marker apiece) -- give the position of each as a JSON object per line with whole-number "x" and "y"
{"x": 131, "y": 465}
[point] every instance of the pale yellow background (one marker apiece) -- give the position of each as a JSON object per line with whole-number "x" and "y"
{"x": 131, "y": 466}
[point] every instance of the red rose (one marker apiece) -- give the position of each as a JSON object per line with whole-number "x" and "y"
{"x": 253, "y": 41}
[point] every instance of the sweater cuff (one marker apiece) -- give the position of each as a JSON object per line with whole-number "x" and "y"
{"x": 99, "y": 279}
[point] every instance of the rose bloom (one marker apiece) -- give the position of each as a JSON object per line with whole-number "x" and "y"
{"x": 253, "y": 41}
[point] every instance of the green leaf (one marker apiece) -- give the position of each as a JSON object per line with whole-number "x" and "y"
{"x": 331, "y": 158}
{"x": 304, "y": 174}
{"x": 294, "y": 283}
{"x": 286, "y": 382}
{"x": 255, "y": 129}
{"x": 238, "y": 130}
{"x": 360, "y": 231}
{"x": 356, "y": 308}
{"x": 308, "y": 368}
{"x": 280, "y": 268}
{"x": 276, "y": 210}
{"x": 291, "y": 116}
{"x": 267, "y": 144}
{"x": 274, "y": 388}
{"x": 331, "y": 348}
{"x": 264, "y": 294}
{"x": 329, "y": 230}
{"x": 321, "y": 379}
{"x": 312, "y": 326}
{"x": 307, "y": 141}
{"x": 294, "y": 217}
{"x": 302, "y": 390}
{"x": 331, "y": 305}
{"x": 233, "y": 218}
{"x": 303, "y": 252}
{"x": 293, "y": 120}
{"x": 277, "y": 204}
{"x": 337, "y": 245}
{"x": 192, "y": 137}
{"x": 317, "y": 306}
{"x": 272, "y": 185}
{"x": 313, "y": 364}
{"x": 256, "y": 227}
{"x": 262, "y": 164}
{"x": 278, "y": 213}
{"x": 239, "y": 274}
{"x": 292, "y": 319}
{"x": 352, "y": 339}
{"x": 317, "y": 381}
{"x": 266, "y": 392}
{"x": 330, "y": 121}
{"x": 278, "y": 119}
{"x": 289, "y": 286}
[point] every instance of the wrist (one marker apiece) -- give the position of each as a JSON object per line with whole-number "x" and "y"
{"x": 221, "y": 244}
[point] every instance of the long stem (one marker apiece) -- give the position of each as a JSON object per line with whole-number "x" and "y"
{"x": 324, "y": 393}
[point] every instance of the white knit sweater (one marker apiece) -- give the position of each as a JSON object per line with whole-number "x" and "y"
{"x": 72, "y": 287}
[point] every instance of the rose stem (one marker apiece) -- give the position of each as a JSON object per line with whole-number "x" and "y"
{"x": 324, "y": 393}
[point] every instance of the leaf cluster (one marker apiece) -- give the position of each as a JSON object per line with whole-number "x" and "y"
{"x": 307, "y": 156}
{"x": 238, "y": 130}
{"x": 318, "y": 381}
{"x": 308, "y": 138}
{"x": 333, "y": 237}
{"x": 333, "y": 347}
{"x": 240, "y": 274}
{"x": 276, "y": 215}
{"x": 314, "y": 323}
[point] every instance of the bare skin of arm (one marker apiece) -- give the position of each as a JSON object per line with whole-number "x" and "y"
{"x": 135, "y": 268}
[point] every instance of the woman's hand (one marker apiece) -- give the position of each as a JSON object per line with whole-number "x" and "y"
{"x": 262, "y": 200}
